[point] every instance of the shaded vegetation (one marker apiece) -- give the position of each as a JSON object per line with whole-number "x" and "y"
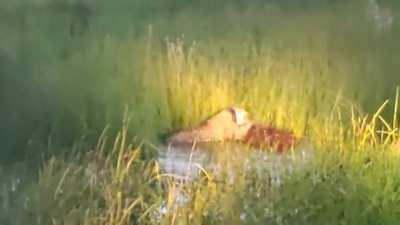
{"x": 68, "y": 69}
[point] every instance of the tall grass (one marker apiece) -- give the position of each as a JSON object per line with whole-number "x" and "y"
{"x": 351, "y": 180}
{"x": 117, "y": 51}
{"x": 311, "y": 69}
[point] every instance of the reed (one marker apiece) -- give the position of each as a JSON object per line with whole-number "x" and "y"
{"x": 297, "y": 67}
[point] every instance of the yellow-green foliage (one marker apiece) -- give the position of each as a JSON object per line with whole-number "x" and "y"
{"x": 173, "y": 63}
{"x": 319, "y": 69}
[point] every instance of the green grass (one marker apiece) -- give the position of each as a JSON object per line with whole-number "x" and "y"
{"x": 168, "y": 65}
{"x": 347, "y": 182}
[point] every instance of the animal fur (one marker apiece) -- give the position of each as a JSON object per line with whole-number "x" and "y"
{"x": 227, "y": 125}
{"x": 261, "y": 136}
{"x": 233, "y": 124}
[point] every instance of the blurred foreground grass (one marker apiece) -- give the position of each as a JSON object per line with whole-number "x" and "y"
{"x": 351, "y": 180}
{"x": 68, "y": 70}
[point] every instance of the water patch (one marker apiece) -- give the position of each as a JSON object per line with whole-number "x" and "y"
{"x": 184, "y": 162}
{"x": 187, "y": 162}
{"x": 226, "y": 162}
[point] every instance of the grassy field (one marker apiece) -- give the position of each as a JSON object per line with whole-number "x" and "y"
{"x": 88, "y": 88}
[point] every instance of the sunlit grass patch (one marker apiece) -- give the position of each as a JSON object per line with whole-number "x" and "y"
{"x": 346, "y": 181}
{"x": 351, "y": 179}
{"x": 318, "y": 70}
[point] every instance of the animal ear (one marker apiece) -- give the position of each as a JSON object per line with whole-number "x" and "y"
{"x": 233, "y": 112}
{"x": 239, "y": 116}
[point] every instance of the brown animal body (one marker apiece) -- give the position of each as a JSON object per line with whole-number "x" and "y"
{"x": 232, "y": 124}
{"x": 261, "y": 136}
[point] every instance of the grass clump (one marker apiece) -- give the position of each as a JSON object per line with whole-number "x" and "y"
{"x": 348, "y": 183}
{"x": 320, "y": 70}
{"x": 92, "y": 188}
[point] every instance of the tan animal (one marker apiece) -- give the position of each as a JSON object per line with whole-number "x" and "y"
{"x": 233, "y": 124}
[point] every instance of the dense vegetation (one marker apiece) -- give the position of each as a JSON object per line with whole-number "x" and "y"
{"x": 69, "y": 70}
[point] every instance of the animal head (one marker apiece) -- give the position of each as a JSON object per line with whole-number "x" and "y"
{"x": 229, "y": 124}
{"x": 239, "y": 116}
